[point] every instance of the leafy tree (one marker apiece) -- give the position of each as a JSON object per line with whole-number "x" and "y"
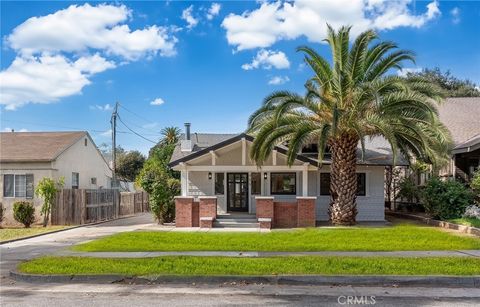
{"x": 450, "y": 85}
{"x": 170, "y": 135}
{"x": 47, "y": 189}
{"x": 129, "y": 164}
{"x": 347, "y": 101}
{"x": 160, "y": 182}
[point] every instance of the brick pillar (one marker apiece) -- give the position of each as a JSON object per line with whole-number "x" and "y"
{"x": 306, "y": 211}
{"x": 184, "y": 211}
{"x": 208, "y": 206}
{"x": 264, "y": 207}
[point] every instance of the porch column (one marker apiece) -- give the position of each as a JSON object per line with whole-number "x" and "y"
{"x": 305, "y": 180}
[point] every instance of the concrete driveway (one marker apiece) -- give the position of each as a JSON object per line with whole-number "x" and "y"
{"x": 13, "y": 253}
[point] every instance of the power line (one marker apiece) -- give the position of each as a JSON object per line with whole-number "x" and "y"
{"x": 134, "y": 132}
{"x": 137, "y": 115}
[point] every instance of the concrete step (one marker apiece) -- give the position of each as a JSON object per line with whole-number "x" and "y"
{"x": 236, "y": 216}
{"x": 237, "y": 220}
{"x": 229, "y": 223}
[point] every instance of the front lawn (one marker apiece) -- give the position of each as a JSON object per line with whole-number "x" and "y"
{"x": 467, "y": 221}
{"x": 17, "y": 233}
{"x": 184, "y": 265}
{"x": 396, "y": 238}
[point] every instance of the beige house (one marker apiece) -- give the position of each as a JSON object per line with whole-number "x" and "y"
{"x": 27, "y": 157}
{"x": 219, "y": 165}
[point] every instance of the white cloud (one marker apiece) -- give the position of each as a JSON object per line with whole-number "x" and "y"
{"x": 107, "y": 133}
{"x": 8, "y": 129}
{"x": 106, "y": 107}
{"x": 150, "y": 126}
{"x": 278, "y": 80}
{"x": 267, "y": 59}
{"x": 404, "y": 71}
{"x": 188, "y": 17}
{"x": 455, "y": 12}
{"x": 79, "y": 28}
{"x": 46, "y": 78}
{"x": 157, "y": 102}
{"x": 213, "y": 10}
{"x": 274, "y": 21}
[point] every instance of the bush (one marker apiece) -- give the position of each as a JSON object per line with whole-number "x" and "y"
{"x": 446, "y": 199}
{"x": 408, "y": 190}
{"x": 24, "y": 212}
{"x": 2, "y": 214}
{"x": 475, "y": 185}
{"x": 472, "y": 212}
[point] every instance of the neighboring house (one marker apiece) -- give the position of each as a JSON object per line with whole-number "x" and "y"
{"x": 220, "y": 165}
{"x": 27, "y": 157}
{"x": 462, "y": 118}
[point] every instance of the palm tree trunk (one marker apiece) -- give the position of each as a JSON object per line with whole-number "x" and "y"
{"x": 343, "y": 180}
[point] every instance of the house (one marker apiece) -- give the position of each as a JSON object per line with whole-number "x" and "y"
{"x": 462, "y": 118}
{"x": 27, "y": 157}
{"x": 216, "y": 168}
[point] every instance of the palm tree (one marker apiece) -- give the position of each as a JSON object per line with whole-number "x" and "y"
{"x": 347, "y": 101}
{"x": 171, "y": 135}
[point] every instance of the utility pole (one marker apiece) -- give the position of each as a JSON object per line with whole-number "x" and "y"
{"x": 113, "y": 121}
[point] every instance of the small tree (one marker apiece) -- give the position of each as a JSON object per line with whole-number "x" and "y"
{"x": 47, "y": 189}
{"x": 475, "y": 185}
{"x": 24, "y": 212}
{"x": 129, "y": 164}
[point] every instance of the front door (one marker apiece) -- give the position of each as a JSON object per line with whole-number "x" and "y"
{"x": 237, "y": 192}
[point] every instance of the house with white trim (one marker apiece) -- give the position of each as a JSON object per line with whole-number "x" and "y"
{"x": 218, "y": 166}
{"x": 27, "y": 157}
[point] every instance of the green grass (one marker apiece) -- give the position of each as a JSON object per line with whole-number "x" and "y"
{"x": 467, "y": 221}
{"x": 17, "y": 233}
{"x": 184, "y": 265}
{"x": 397, "y": 238}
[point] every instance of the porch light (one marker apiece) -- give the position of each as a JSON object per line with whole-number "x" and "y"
{"x": 209, "y": 176}
{"x": 265, "y": 176}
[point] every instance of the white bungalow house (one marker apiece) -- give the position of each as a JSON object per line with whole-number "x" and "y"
{"x": 27, "y": 157}
{"x": 219, "y": 165}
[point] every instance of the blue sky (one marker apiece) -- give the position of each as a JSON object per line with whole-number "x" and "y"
{"x": 64, "y": 64}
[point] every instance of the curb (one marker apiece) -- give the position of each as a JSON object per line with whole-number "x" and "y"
{"x": 441, "y": 224}
{"x": 64, "y": 229}
{"x": 363, "y": 280}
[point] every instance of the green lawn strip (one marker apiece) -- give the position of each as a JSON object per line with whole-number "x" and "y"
{"x": 17, "y": 233}
{"x": 398, "y": 238}
{"x": 467, "y": 221}
{"x": 184, "y": 265}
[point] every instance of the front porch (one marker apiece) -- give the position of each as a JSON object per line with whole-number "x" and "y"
{"x": 270, "y": 213}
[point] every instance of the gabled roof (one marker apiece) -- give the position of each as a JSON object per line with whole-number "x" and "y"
{"x": 36, "y": 146}
{"x": 468, "y": 146}
{"x": 377, "y": 150}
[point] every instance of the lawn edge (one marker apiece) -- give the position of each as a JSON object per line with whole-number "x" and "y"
{"x": 369, "y": 280}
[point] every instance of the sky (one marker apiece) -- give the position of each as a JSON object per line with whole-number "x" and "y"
{"x": 64, "y": 65}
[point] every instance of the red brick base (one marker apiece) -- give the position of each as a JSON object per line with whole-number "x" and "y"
{"x": 188, "y": 212}
{"x": 286, "y": 214}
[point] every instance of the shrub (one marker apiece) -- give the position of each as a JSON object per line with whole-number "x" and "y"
{"x": 24, "y": 212}
{"x": 2, "y": 214}
{"x": 475, "y": 185}
{"x": 446, "y": 199}
{"x": 408, "y": 190}
{"x": 472, "y": 212}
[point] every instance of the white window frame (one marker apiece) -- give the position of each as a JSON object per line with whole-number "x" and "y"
{"x": 15, "y": 186}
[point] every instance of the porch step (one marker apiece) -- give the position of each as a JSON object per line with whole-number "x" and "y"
{"x": 237, "y": 220}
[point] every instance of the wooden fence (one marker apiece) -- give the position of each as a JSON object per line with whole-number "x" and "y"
{"x": 133, "y": 202}
{"x": 83, "y": 206}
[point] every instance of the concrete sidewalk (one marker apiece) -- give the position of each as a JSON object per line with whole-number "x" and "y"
{"x": 401, "y": 254}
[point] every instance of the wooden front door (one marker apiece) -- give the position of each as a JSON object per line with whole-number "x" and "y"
{"x": 237, "y": 192}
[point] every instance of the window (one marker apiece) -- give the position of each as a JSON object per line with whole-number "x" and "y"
{"x": 256, "y": 183}
{"x": 75, "y": 180}
{"x": 283, "y": 184}
{"x": 85, "y": 142}
{"x": 361, "y": 184}
{"x": 93, "y": 180}
{"x": 219, "y": 183}
{"x": 18, "y": 186}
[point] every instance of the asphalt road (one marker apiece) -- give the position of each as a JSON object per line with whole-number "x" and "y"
{"x": 79, "y": 295}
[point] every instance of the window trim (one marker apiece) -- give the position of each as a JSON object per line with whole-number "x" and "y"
{"x": 367, "y": 184}
{"x": 15, "y": 186}
{"x": 78, "y": 180}
{"x": 283, "y": 173}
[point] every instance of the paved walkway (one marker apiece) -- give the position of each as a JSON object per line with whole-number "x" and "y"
{"x": 15, "y": 252}
{"x": 406, "y": 254}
